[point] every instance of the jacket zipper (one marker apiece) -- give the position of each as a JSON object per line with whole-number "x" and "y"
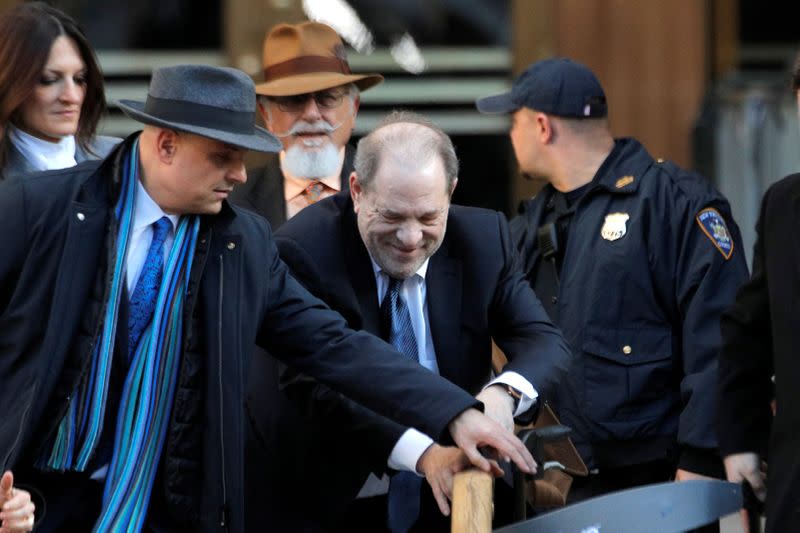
{"x": 223, "y": 515}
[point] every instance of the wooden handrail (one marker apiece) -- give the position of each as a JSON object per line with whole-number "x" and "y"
{"x": 473, "y": 489}
{"x": 473, "y": 506}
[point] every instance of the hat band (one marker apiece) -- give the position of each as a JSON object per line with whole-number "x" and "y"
{"x": 201, "y": 115}
{"x": 305, "y": 65}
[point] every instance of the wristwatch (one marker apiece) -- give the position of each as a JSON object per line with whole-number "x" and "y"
{"x": 514, "y": 393}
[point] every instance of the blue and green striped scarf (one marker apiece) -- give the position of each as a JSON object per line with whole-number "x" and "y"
{"x": 149, "y": 388}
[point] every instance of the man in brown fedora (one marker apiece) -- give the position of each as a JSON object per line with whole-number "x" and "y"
{"x": 309, "y": 100}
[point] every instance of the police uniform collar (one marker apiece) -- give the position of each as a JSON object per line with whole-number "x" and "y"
{"x": 619, "y": 173}
{"x": 623, "y": 167}
{"x": 565, "y": 202}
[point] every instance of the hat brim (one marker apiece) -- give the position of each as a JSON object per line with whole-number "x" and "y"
{"x": 315, "y": 81}
{"x": 260, "y": 140}
{"x": 496, "y": 104}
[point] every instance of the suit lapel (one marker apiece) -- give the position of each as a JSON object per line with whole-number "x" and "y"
{"x": 16, "y": 163}
{"x": 347, "y": 168}
{"x": 443, "y": 282}
{"x": 273, "y": 196}
{"x": 265, "y": 195}
{"x": 362, "y": 277}
{"x": 84, "y": 242}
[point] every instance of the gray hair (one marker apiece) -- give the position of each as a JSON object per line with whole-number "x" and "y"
{"x": 420, "y": 143}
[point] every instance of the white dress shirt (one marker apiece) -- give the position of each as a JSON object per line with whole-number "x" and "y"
{"x": 41, "y": 154}
{"x": 146, "y": 213}
{"x": 412, "y": 443}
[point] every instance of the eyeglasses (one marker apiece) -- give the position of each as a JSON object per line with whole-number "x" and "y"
{"x": 295, "y": 103}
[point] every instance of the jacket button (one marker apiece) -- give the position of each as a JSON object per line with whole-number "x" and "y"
{"x": 81, "y": 217}
{"x": 627, "y": 350}
{"x": 231, "y": 245}
{"x": 554, "y": 300}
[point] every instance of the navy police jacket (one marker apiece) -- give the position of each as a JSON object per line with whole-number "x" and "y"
{"x": 652, "y": 259}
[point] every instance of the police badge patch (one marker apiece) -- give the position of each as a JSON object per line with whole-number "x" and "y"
{"x": 614, "y": 226}
{"x": 714, "y": 227}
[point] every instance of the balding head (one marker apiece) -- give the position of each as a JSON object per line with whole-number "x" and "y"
{"x": 407, "y": 139}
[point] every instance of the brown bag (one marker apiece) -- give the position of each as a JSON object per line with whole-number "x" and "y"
{"x": 552, "y": 488}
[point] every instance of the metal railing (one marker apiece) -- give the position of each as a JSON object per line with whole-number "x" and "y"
{"x": 447, "y": 90}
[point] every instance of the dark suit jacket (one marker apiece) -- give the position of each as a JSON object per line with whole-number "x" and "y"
{"x": 475, "y": 292}
{"x": 275, "y": 427}
{"x": 263, "y": 192}
{"x": 761, "y": 338}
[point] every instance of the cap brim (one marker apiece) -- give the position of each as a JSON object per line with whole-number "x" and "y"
{"x": 260, "y": 140}
{"x": 496, "y": 104}
{"x": 315, "y": 81}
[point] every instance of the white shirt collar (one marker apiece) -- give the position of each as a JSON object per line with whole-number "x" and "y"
{"x": 422, "y": 271}
{"x": 41, "y": 154}
{"x": 148, "y": 211}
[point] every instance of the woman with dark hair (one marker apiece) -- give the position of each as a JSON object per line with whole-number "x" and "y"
{"x": 51, "y": 92}
{"x": 51, "y": 99}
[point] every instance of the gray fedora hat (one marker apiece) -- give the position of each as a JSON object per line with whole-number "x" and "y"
{"x": 214, "y": 102}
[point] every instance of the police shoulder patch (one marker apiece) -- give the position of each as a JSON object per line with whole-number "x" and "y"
{"x": 713, "y": 225}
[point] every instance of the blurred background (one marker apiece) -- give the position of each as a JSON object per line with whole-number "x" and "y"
{"x": 701, "y": 82}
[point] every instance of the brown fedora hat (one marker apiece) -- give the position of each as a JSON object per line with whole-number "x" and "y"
{"x": 307, "y": 57}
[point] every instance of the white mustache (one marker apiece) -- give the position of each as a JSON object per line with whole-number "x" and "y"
{"x": 310, "y": 127}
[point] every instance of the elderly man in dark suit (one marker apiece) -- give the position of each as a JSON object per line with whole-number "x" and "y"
{"x": 130, "y": 295}
{"x": 759, "y": 360}
{"x": 439, "y": 281}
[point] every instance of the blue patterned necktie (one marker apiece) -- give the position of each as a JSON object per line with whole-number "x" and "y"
{"x": 143, "y": 298}
{"x": 396, "y": 321}
{"x": 404, "y": 487}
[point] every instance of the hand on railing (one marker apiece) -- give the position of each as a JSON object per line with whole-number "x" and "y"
{"x": 475, "y": 432}
{"x": 747, "y": 468}
{"x": 439, "y": 465}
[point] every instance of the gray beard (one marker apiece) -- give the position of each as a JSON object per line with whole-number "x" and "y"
{"x": 312, "y": 164}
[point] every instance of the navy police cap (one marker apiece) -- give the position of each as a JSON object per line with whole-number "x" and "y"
{"x": 558, "y": 86}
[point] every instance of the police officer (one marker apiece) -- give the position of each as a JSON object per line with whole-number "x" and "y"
{"x": 635, "y": 259}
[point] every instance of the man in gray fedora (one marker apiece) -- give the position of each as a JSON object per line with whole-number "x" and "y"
{"x": 130, "y": 293}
